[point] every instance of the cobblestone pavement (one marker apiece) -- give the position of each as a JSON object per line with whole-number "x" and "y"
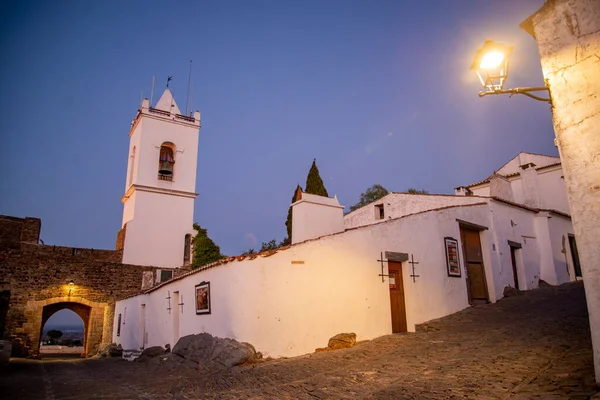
{"x": 533, "y": 346}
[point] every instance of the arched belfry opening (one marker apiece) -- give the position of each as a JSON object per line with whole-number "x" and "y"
{"x": 73, "y": 338}
{"x": 166, "y": 161}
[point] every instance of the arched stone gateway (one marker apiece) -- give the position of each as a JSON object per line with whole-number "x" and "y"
{"x": 93, "y": 314}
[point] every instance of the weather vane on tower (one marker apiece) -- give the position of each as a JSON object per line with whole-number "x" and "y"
{"x": 169, "y": 79}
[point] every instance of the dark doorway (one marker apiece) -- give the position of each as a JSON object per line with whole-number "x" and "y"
{"x": 397, "y": 297}
{"x": 514, "y": 252}
{"x": 575, "y": 256}
{"x": 4, "y": 302}
{"x": 471, "y": 245}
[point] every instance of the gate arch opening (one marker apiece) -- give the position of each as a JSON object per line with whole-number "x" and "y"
{"x": 82, "y": 310}
{"x": 63, "y": 329}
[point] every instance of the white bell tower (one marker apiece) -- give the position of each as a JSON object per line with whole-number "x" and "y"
{"x": 158, "y": 205}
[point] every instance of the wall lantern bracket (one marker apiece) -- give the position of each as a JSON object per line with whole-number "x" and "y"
{"x": 526, "y": 91}
{"x": 491, "y": 64}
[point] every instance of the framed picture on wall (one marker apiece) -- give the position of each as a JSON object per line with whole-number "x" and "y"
{"x": 202, "y": 298}
{"x": 452, "y": 260}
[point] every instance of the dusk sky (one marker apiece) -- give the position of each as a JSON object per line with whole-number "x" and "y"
{"x": 376, "y": 91}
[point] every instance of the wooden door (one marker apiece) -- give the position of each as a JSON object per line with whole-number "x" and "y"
{"x": 397, "y": 297}
{"x": 474, "y": 259}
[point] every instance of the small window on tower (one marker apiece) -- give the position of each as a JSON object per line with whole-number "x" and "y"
{"x": 166, "y": 161}
{"x": 379, "y": 213}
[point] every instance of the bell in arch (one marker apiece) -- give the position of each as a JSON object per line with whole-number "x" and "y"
{"x": 166, "y": 164}
{"x": 166, "y": 168}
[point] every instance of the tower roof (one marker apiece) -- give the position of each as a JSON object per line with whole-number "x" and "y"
{"x": 167, "y": 103}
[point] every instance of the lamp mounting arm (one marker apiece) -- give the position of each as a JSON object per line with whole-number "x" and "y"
{"x": 524, "y": 91}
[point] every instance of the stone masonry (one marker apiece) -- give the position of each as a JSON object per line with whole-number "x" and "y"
{"x": 568, "y": 37}
{"x": 38, "y": 278}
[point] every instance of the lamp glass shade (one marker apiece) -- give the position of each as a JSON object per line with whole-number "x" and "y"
{"x": 491, "y": 65}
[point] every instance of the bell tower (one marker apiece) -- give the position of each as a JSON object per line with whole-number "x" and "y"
{"x": 160, "y": 188}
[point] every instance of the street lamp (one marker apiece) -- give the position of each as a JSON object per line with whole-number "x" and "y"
{"x": 491, "y": 65}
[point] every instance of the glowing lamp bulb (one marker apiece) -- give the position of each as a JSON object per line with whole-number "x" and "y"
{"x": 491, "y": 60}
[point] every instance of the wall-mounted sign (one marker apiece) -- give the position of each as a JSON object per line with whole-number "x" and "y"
{"x": 202, "y": 298}
{"x": 394, "y": 256}
{"x": 452, "y": 259}
{"x": 297, "y": 262}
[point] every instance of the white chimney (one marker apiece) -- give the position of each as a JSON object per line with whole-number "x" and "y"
{"x": 315, "y": 216}
{"x": 501, "y": 187}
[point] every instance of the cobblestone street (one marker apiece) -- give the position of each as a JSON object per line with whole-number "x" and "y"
{"x": 535, "y": 345}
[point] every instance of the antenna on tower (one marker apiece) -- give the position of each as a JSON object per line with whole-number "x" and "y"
{"x": 187, "y": 96}
{"x": 152, "y": 92}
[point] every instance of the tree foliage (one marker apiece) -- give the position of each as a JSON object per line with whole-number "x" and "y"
{"x": 288, "y": 221}
{"x": 271, "y": 245}
{"x": 373, "y": 193}
{"x": 417, "y": 191}
{"x": 54, "y": 334}
{"x": 314, "y": 183}
{"x": 205, "y": 250}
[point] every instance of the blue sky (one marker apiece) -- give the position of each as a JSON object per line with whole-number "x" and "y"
{"x": 376, "y": 91}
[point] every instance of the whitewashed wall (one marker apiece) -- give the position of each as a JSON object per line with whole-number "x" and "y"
{"x": 289, "y": 309}
{"x": 549, "y": 184}
{"x": 560, "y": 227}
{"x": 315, "y": 216}
{"x": 397, "y": 205}
{"x": 156, "y": 234}
{"x": 553, "y": 191}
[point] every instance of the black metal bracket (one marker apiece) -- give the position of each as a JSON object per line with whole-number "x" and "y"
{"x": 181, "y": 304}
{"x": 381, "y": 260}
{"x": 413, "y": 262}
{"x": 169, "y": 302}
{"x": 524, "y": 91}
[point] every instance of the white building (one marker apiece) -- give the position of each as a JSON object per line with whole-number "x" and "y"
{"x": 400, "y": 261}
{"x": 158, "y": 205}
{"x": 531, "y": 179}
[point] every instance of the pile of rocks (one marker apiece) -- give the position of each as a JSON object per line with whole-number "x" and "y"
{"x": 203, "y": 350}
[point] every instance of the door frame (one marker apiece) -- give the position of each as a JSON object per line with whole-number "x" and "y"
{"x": 469, "y": 226}
{"x": 403, "y": 322}
{"x": 514, "y": 258}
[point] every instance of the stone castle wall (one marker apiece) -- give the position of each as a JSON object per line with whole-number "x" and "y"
{"x": 14, "y": 231}
{"x": 37, "y": 277}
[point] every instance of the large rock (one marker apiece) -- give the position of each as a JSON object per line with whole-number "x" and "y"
{"x": 154, "y": 351}
{"x": 342, "y": 341}
{"x": 111, "y": 350}
{"x": 213, "y": 352}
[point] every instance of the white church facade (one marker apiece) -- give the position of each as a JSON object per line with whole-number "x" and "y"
{"x": 400, "y": 261}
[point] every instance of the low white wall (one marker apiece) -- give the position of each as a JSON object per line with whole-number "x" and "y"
{"x": 292, "y": 302}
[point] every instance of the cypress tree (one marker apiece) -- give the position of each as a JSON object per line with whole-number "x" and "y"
{"x": 205, "y": 250}
{"x": 314, "y": 183}
{"x": 288, "y": 221}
